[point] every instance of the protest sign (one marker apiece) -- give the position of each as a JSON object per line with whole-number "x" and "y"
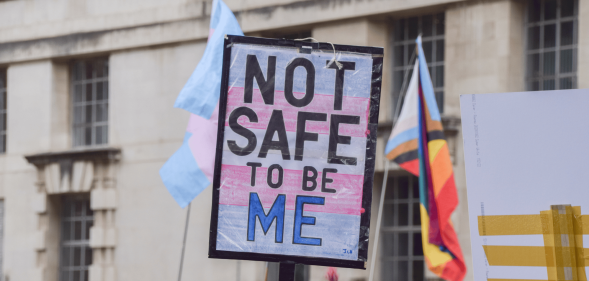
{"x": 295, "y": 152}
{"x": 526, "y": 164}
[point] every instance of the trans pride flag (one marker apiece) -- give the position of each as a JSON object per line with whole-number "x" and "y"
{"x": 418, "y": 145}
{"x": 190, "y": 170}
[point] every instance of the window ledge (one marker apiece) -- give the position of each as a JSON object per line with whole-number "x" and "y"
{"x": 451, "y": 125}
{"x": 88, "y": 154}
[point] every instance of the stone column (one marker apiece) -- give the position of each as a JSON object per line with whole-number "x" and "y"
{"x": 484, "y": 54}
{"x": 103, "y": 235}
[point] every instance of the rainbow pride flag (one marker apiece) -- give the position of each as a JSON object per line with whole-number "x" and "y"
{"x": 418, "y": 145}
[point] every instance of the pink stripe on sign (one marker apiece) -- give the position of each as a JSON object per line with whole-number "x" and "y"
{"x": 320, "y": 104}
{"x": 236, "y": 187}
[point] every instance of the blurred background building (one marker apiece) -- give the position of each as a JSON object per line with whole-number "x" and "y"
{"x": 86, "y": 119}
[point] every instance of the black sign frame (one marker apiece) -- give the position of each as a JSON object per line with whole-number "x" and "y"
{"x": 375, "y": 89}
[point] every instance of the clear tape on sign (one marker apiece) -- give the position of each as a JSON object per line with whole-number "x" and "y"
{"x": 297, "y": 125}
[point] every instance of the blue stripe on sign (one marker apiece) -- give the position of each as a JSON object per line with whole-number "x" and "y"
{"x": 406, "y": 135}
{"x": 182, "y": 176}
{"x": 338, "y": 233}
{"x": 357, "y": 82}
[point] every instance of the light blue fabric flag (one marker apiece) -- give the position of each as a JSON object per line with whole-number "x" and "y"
{"x": 190, "y": 170}
{"x": 200, "y": 95}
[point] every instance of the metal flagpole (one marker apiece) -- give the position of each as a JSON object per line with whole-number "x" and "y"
{"x": 238, "y": 270}
{"x": 184, "y": 242}
{"x": 386, "y": 173}
{"x": 382, "y": 194}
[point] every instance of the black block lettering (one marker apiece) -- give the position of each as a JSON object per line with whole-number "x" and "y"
{"x": 242, "y": 131}
{"x": 280, "y": 175}
{"x": 253, "y": 70}
{"x": 335, "y": 139}
{"x": 325, "y": 180}
{"x": 307, "y": 178}
{"x": 339, "y": 81}
{"x": 288, "y": 82}
{"x": 276, "y": 124}
{"x": 254, "y": 165}
{"x": 302, "y": 135}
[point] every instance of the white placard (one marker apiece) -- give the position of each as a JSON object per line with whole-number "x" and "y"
{"x": 523, "y": 153}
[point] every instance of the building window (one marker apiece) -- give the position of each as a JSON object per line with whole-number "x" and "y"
{"x": 402, "y": 253}
{"x": 432, "y": 29}
{"x": 76, "y": 255}
{"x": 3, "y": 89}
{"x": 551, "y": 27}
{"x": 90, "y": 102}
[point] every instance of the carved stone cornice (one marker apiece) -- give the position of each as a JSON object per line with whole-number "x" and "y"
{"x": 100, "y": 154}
{"x": 451, "y": 125}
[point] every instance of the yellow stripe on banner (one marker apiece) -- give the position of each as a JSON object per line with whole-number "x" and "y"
{"x": 553, "y": 254}
{"x": 580, "y": 251}
{"x": 520, "y": 255}
{"x": 519, "y": 225}
{"x": 562, "y": 229}
{"x": 585, "y": 226}
{"x": 510, "y": 225}
{"x": 431, "y": 251}
{"x": 561, "y": 243}
{"x": 495, "y": 279}
{"x": 515, "y": 255}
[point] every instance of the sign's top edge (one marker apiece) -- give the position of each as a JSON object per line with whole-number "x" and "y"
{"x": 299, "y": 44}
{"x": 303, "y": 49}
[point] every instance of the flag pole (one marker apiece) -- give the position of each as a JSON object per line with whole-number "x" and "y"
{"x": 378, "y": 220}
{"x": 386, "y": 171}
{"x": 184, "y": 242}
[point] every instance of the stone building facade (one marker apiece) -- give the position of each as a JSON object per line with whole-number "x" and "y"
{"x": 86, "y": 119}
